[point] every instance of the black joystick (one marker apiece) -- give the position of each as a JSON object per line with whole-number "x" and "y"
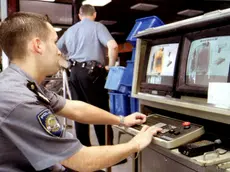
{"x": 171, "y": 131}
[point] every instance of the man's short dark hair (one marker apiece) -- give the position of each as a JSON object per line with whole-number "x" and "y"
{"x": 87, "y": 10}
{"x": 18, "y": 28}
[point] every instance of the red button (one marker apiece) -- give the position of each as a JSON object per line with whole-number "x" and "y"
{"x": 186, "y": 124}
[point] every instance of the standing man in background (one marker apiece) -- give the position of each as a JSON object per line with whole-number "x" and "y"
{"x": 85, "y": 45}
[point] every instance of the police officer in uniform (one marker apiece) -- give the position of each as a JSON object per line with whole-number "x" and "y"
{"x": 31, "y": 137}
{"x": 85, "y": 45}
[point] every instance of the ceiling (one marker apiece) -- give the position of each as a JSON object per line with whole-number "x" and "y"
{"x": 119, "y": 11}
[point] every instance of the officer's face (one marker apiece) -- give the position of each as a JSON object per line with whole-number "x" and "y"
{"x": 52, "y": 54}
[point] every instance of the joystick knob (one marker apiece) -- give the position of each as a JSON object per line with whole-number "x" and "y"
{"x": 171, "y": 131}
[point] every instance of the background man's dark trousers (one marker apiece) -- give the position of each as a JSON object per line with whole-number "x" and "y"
{"x": 88, "y": 86}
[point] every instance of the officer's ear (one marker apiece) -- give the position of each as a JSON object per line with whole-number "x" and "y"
{"x": 37, "y": 45}
{"x": 80, "y": 17}
{"x": 94, "y": 15}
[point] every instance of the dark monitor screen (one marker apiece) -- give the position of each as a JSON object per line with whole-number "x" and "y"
{"x": 161, "y": 64}
{"x": 208, "y": 61}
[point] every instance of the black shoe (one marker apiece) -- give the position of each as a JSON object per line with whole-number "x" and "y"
{"x": 100, "y": 171}
{"x": 121, "y": 162}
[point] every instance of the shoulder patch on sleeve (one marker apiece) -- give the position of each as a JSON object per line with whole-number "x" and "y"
{"x": 50, "y": 123}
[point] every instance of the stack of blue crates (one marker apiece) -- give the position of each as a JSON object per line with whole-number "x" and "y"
{"x": 119, "y": 80}
{"x": 118, "y": 102}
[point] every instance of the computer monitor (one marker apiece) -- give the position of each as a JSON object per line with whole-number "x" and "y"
{"x": 205, "y": 58}
{"x": 160, "y": 62}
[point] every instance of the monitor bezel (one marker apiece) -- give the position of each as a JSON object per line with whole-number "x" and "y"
{"x": 160, "y": 88}
{"x": 181, "y": 87}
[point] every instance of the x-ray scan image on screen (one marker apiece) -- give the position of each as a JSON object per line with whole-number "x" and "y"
{"x": 161, "y": 64}
{"x": 208, "y": 61}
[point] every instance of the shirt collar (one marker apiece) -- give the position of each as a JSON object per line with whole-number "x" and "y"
{"x": 86, "y": 19}
{"x": 22, "y": 73}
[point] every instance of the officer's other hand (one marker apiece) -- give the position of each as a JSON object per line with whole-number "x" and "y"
{"x": 107, "y": 68}
{"x": 63, "y": 63}
{"x": 134, "y": 119}
{"x": 144, "y": 137}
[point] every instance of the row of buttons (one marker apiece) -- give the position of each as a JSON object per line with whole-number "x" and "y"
{"x": 186, "y": 125}
{"x": 172, "y": 129}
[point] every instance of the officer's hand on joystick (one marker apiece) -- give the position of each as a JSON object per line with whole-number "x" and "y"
{"x": 134, "y": 119}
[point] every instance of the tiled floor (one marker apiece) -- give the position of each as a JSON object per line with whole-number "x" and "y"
{"x": 127, "y": 167}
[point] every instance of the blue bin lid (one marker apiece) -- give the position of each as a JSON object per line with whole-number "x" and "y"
{"x": 142, "y": 24}
{"x": 150, "y": 18}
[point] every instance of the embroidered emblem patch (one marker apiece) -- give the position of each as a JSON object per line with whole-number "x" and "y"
{"x": 50, "y": 123}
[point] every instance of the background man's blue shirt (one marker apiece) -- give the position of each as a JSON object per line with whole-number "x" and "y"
{"x": 85, "y": 41}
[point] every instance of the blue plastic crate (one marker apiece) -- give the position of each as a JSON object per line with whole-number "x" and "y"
{"x": 142, "y": 24}
{"x": 119, "y": 104}
{"x": 114, "y": 77}
{"x": 133, "y": 54}
{"x": 134, "y": 105}
{"x": 127, "y": 78}
{"x": 125, "y": 89}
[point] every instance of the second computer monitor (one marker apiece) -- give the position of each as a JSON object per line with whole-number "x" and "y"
{"x": 205, "y": 58}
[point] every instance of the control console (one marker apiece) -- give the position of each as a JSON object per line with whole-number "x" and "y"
{"x": 175, "y": 132}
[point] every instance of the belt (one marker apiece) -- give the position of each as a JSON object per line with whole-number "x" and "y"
{"x": 87, "y": 64}
{"x": 94, "y": 69}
